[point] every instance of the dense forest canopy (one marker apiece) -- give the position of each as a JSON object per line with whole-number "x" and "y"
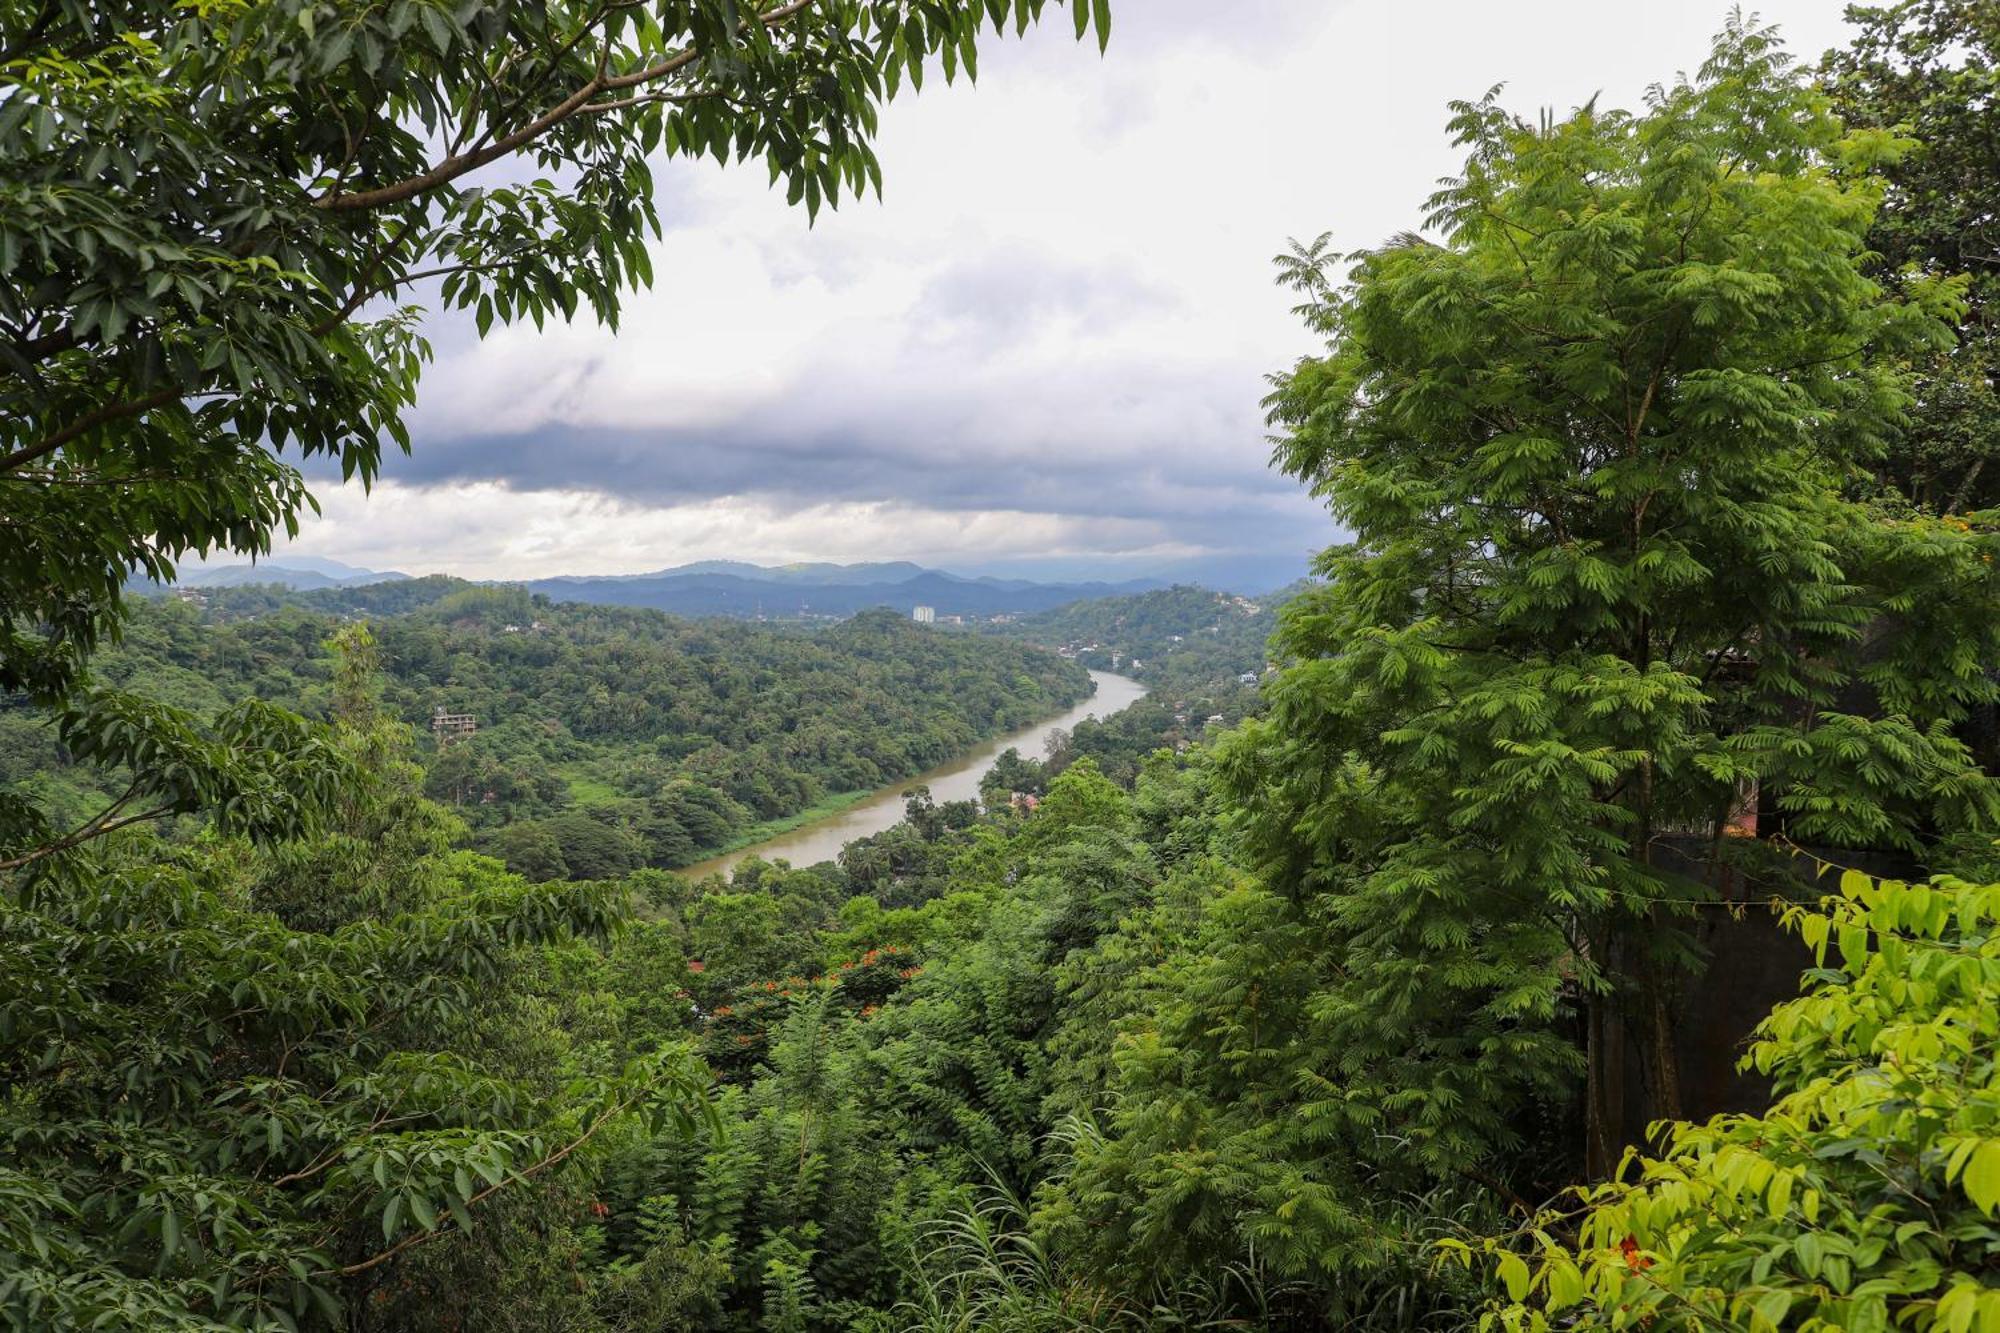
{"x": 1647, "y": 689}
{"x": 1167, "y": 637}
{"x": 608, "y": 738}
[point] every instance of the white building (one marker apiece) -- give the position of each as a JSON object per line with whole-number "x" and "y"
{"x": 924, "y": 615}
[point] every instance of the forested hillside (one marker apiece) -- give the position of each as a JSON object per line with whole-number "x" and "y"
{"x": 607, "y": 738}
{"x": 1171, "y": 637}
{"x": 1204, "y": 654}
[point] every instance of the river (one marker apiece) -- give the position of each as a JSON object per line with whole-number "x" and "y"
{"x": 958, "y": 780}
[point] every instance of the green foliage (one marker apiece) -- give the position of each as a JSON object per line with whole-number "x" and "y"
{"x": 285, "y": 1068}
{"x": 1862, "y": 1199}
{"x": 1930, "y": 69}
{"x": 977, "y": 1267}
{"x": 311, "y": 1110}
{"x": 1608, "y": 593}
{"x": 696, "y": 729}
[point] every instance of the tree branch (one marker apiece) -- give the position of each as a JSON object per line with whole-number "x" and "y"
{"x": 95, "y": 827}
{"x": 419, "y": 1237}
{"x": 86, "y": 423}
{"x": 458, "y": 164}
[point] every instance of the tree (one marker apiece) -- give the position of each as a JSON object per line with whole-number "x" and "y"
{"x": 230, "y": 1104}
{"x": 1863, "y": 1199}
{"x": 1931, "y": 69}
{"x": 212, "y": 216}
{"x": 1606, "y": 581}
{"x": 530, "y": 849}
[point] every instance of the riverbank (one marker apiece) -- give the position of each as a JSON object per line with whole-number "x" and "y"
{"x": 820, "y": 839}
{"x": 826, "y": 808}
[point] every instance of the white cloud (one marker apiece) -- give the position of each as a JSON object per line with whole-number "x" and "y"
{"x": 487, "y": 530}
{"x": 1061, "y": 313}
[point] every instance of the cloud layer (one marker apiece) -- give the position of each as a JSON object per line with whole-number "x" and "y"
{"x": 1047, "y": 343}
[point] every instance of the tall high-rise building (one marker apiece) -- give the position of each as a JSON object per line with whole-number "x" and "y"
{"x": 924, "y": 615}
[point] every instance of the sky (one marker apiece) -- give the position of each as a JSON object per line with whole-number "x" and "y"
{"x": 1042, "y": 353}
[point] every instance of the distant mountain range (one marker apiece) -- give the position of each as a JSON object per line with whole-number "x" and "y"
{"x": 735, "y": 588}
{"x": 302, "y": 573}
{"x": 728, "y": 588}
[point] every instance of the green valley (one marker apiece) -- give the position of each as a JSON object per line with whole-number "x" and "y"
{"x": 1574, "y": 908}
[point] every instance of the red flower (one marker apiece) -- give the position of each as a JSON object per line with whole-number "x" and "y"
{"x": 1634, "y": 1260}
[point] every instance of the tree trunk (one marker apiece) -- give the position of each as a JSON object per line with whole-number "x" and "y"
{"x": 1664, "y": 1062}
{"x": 1604, "y": 1061}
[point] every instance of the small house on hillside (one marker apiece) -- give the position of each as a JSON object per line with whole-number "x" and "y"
{"x": 448, "y": 726}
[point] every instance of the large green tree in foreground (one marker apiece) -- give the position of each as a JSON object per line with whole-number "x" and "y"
{"x": 1607, "y": 594}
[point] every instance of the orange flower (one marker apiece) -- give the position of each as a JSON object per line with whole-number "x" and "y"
{"x": 1634, "y": 1260}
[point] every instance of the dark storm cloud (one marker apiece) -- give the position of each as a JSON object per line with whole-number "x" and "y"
{"x": 797, "y": 468}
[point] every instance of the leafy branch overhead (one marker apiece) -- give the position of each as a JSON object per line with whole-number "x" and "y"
{"x": 212, "y": 213}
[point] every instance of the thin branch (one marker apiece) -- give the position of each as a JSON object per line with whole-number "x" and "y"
{"x": 45, "y": 346}
{"x": 86, "y": 423}
{"x": 458, "y": 164}
{"x": 96, "y": 827}
{"x": 642, "y": 99}
{"x": 419, "y": 1237}
{"x": 550, "y": 65}
{"x": 52, "y": 479}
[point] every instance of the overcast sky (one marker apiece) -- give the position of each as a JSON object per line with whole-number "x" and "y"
{"x": 1042, "y": 352}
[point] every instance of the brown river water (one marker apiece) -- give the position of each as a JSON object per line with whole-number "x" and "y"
{"x": 958, "y": 780}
